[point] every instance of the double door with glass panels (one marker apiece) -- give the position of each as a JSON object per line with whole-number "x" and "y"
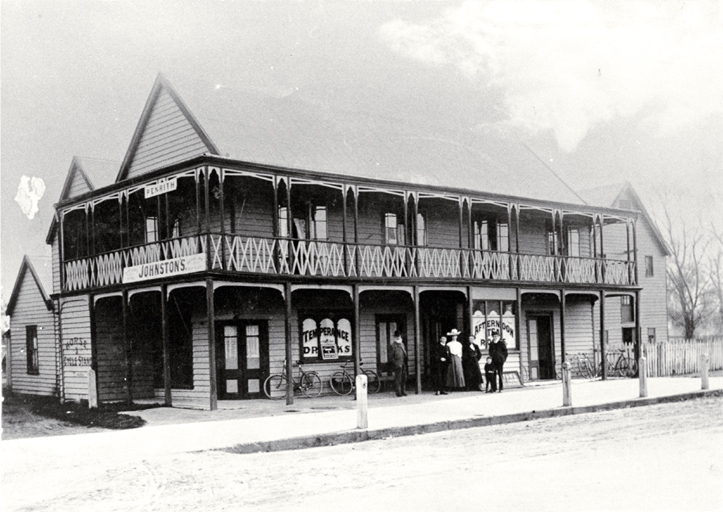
{"x": 242, "y": 358}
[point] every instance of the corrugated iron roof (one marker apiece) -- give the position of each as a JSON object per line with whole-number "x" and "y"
{"x": 604, "y": 195}
{"x": 299, "y": 132}
{"x": 100, "y": 172}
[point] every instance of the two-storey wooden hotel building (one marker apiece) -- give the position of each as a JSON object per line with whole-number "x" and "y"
{"x": 245, "y": 232}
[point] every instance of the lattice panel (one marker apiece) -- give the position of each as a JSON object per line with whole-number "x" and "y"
{"x": 76, "y": 275}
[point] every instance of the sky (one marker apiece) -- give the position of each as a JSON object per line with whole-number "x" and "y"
{"x": 602, "y": 91}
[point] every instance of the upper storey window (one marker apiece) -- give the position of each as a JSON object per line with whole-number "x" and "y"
{"x": 573, "y": 242}
{"x": 151, "y": 230}
{"x": 490, "y": 235}
{"x": 421, "y": 230}
{"x": 393, "y": 231}
{"x": 317, "y": 222}
{"x": 312, "y": 226}
{"x": 649, "y": 270}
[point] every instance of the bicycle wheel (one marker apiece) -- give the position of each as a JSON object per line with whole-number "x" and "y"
{"x": 626, "y": 367}
{"x": 586, "y": 369}
{"x": 311, "y": 384}
{"x": 275, "y": 387}
{"x": 373, "y": 382}
{"x": 341, "y": 383}
{"x": 525, "y": 374}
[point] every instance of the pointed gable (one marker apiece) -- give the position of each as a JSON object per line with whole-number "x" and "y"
{"x": 167, "y": 133}
{"x": 85, "y": 175}
{"x": 623, "y": 196}
{"x": 76, "y": 181}
{"x": 40, "y": 284}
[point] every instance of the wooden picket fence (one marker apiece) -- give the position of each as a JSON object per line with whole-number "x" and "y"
{"x": 682, "y": 357}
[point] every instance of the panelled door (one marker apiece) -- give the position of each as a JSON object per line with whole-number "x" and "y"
{"x": 242, "y": 358}
{"x": 542, "y": 357}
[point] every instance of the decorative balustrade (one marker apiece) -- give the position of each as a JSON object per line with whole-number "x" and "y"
{"x": 274, "y": 256}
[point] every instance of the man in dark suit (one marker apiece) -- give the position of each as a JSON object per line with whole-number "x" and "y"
{"x": 440, "y": 362}
{"x": 498, "y": 353}
{"x": 398, "y": 358}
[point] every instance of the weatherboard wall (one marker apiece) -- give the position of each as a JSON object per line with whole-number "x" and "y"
{"x": 76, "y": 346}
{"x": 31, "y": 309}
{"x": 168, "y": 137}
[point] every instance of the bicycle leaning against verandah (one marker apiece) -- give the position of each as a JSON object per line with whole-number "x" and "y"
{"x": 309, "y": 383}
{"x": 343, "y": 383}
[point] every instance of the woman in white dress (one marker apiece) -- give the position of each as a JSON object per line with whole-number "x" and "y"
{"x": 455, "y": 373}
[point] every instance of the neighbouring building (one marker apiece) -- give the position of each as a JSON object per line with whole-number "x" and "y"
{"x": 652, "y": 251}
{"x": 242, "y": 232}
{"x": 32, "y": 358}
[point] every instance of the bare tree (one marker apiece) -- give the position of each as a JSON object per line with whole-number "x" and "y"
{"x": 688, "y": 280}
{"x": 716, "y": 275}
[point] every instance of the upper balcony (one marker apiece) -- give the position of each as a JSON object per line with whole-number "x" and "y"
{"x": 288, "y": 257}
{"x": 264, "y": 224}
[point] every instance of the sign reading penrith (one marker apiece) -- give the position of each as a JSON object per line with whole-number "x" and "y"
{"x": 162, "y": 186}
{"x": 165, "y": 268}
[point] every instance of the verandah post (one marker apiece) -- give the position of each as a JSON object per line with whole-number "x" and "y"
{"x": 166, "y": 354}
{"x": 603, "y": 349}
{"x": 128, "y": 346}
{"x": 357, "y": 330}
{"x": 417, "y": 336}
{"x": 562, "y": 325}
{"x": 289, "y": 367}
{"x": 211, "y": 318}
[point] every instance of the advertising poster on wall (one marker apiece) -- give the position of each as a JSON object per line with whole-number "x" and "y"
{"x": 478, "y": 328}
{"x": 327, "y": 340}
{"x": 508, "y": 327}
{"x": 486, "y": 323}
{"x": 344, "y": 337}
{"x": 309, "y": 339}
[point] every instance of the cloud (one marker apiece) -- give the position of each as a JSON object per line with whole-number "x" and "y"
{"x": 567, "y": 66}
{"x": 29, "y": 193}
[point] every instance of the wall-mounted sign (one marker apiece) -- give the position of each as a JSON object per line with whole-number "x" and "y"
{"x": 162, "y": 186}
{"x": 310, "y": 338}
{"x": 343, "y": 337}
{"x": 486, "y": 323}
{"x": 326, "y": 340}
{"x": 165, "y": 268}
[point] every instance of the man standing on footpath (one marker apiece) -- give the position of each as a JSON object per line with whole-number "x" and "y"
{"x": 441, "y": 362}
{"x": 399, "y": 360}
{"x": 498, "y": 353}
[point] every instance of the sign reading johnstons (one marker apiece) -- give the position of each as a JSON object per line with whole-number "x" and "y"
{"x": 165, "y": 268}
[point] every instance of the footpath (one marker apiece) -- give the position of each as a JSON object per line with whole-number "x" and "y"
{"x": 265, "y": 425}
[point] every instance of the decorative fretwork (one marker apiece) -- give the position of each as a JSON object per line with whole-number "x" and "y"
{"x": 284, "y": 256}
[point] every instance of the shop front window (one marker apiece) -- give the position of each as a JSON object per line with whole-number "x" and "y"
{"x": 494, "y": 317}
{"x": 326, "y": 338}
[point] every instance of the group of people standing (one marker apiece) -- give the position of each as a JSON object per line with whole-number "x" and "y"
{"x": 457, "y": 364}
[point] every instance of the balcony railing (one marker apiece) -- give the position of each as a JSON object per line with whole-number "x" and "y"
{"x": 283, "y": 256}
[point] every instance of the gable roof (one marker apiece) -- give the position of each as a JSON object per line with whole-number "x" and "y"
{"x": 164, "y": 108}
{"x": 42, "y": 279}
{"x": 85, "y": 174}
{"x": 298, "y": 132}
{"x": 608, "y": 195}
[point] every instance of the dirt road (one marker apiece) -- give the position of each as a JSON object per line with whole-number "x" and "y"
{"x": 665, "y": 457}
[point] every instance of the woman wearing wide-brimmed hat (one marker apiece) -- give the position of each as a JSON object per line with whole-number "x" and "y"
{"x": 455, "y": 374}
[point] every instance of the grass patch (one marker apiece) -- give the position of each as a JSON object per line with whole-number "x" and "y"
{"x": 105, "y": 416}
